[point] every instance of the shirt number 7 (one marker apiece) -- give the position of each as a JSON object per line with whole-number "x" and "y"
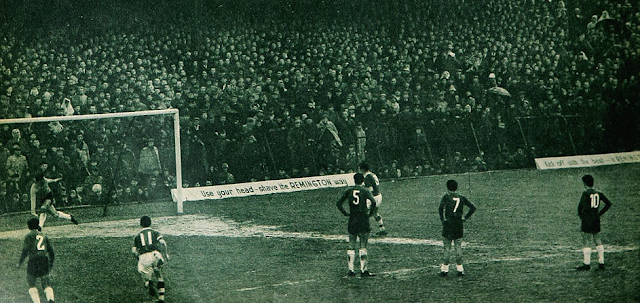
{"x": 457, "y": 200}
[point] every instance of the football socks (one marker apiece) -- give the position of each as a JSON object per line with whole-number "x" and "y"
{"x": 600, "y": 249}
{"x": 42, "y": 218}
{"x": 444, "y": 268}
{"x": 35, "y": 296}
{"x": 63, "y": 215}
{"x": 363, "y": 259}
{"x": 160, "y": 289}
{"x": 49, "y": 293}
{"x": 586, "y": 252}
{"x": 459, "y": 268}
{"x": 351, "y": 257}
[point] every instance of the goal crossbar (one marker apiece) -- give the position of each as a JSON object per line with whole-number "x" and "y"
{"x": 176, "y": 129}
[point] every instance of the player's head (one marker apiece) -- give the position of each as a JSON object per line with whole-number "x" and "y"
{"x": 587, "y": 180}
{"x": 364, "y": 166}
{"x": 452, "y": 185}
{"x": 145, "y": 221}
{"x": 358, "y": 178}
{"x": 33, "y": 223}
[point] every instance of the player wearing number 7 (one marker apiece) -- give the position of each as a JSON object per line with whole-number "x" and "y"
{"x": 589, "y": 212}
{"x": 451, "y": 210}
{"x": 151, "y": 249}
{"x": 40, "y": 252}
{"x": 358, "y": 226}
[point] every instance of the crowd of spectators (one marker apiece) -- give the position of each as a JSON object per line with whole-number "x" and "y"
{"x": 301, "y": 88}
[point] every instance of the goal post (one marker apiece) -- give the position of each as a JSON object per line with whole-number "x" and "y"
{"x": 176, "y": 133}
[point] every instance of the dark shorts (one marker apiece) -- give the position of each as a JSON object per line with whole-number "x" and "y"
{"x": 358, "y": 225}
{"x": 452, "y": 229}
{"x": 38, "y": 266}
{"x": 591, "y": 225}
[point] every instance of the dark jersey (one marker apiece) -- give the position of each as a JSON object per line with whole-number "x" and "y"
{"x": 36, "y": 246}
{"x": 371, "y": 181}
{"x": 359, "y": 213}
{"x": 148, "y": 240}
{"x": 590, "y": 202}
{"x": 452, "y": 205}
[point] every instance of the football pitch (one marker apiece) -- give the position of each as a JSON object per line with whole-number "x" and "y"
{"x": 522, "y": 245}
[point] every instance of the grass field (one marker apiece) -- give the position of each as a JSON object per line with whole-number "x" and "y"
{"x": 522, "y": 245}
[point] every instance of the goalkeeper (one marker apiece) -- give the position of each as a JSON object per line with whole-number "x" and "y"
{"x": 41, "y": 195}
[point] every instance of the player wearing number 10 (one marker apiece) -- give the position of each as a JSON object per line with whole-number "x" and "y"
{"x": 358, "y": 226}
{"x": 589, "y": 212}
{"x": 40, "y": 252}
{"x": 151, "y": 249}
{"x": 451, "y": 210}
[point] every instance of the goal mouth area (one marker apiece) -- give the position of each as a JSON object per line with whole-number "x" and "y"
{"x": 175, "y": 174}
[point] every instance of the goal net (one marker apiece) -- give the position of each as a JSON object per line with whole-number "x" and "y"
{"x": 102, "y": 159}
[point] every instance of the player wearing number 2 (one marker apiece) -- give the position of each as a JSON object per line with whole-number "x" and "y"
{"x": 40, "y": 252}
{"x": 358, "y": 226}
{"x": 151, "y": 249}
{"x": 589, "y": 212}
{"x": 451, "y": 210}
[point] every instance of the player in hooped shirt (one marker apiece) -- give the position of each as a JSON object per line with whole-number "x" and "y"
{"x": 358, "y": 197}
{"x": 451, "y": 212}
{"x": 371, "y": 181}
{"x": 589, "y": 212}
{"x": 37, "y": 247}
{"x": 151, "y": 249}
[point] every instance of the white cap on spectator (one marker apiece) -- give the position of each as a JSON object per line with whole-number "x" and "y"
{"x": 492, "y": 76}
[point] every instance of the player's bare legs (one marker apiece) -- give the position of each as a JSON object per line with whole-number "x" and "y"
{"x": 587, "y": 240}
{"x": 160, "y": 285}
{"x": 48, "y": 290}
{"x": 351, "y": 253}
{"x": 364, "y": 269}
{"x": 457, "y": 243}
{"x": 48, "y": 207}
{"x": 33, "y": 291}
{"x": 446, "y": 252}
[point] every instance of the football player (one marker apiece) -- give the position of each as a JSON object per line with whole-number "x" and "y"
{"x": 371, "y": 181}
{"x": 358, "y": 226}
{"x": 589, "y": 212}
{"x": 40, "y": 252}
{"x": 451, "y": 210}
{"x": 42, "y": 195}
{"x": 151, "y": 249}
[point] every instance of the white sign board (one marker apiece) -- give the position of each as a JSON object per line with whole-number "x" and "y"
{"x": 263, "y": 187}
{"x": 587, "y": 160}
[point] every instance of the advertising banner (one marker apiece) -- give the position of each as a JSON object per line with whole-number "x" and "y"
{"x": 587, "y": 160}
{"x": 263, "y": 187}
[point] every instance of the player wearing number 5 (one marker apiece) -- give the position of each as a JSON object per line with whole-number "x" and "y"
{"x": 358, "y": 226}
{"x": 589, "y": 212}
{"x": 151, "y": 249}
{"x": 40, "y": 252}
{"x": 451, "y": 210}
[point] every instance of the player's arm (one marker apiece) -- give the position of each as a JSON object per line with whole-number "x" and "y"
{"x": 472, "y": 209}
{"x": 33, "y": 199}
{"x": 163, "y": 247}
{"x": 134, "y": 248}
{"x": 52, "y": 255}
{"x": 341, "y": 201}
{"x": 584, "y": 201}
{"x": 607, "y": 204}
{"x": 441, "y": 209}
{"x": 52, "y": 180}
{"x": 373, "y": 203}
{"x": 25, "y": 251}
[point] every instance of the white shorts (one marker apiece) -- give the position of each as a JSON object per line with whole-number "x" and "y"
{"x": 149, "y": 262}
{"x": 378, "y": 199}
